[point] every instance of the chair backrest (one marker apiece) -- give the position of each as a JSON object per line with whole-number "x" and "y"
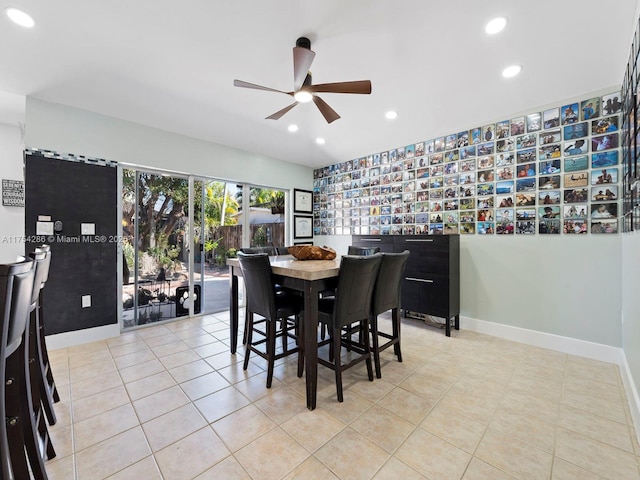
{"x": 355, "y": 288}
{"x": 282, "y": 250}
{"x": 271, "y": 251}
{"x": 41, "y": 259}
{"x": 16, "y": 287}
{"x": 259, "y": 286}
{"x": 46, "y": 248}
{"x": 363, "y": 250}
{"x": 386, "y": 294}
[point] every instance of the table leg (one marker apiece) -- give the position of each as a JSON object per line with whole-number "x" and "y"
{"x": 233, "y": 310}
{"x": 311, "y": 342}
{"x": 457, "y": 322}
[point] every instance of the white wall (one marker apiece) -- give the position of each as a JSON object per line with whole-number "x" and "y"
{"x": 65, "y": 129}
{"x": 631, "y": 303}
{"x": 11, "y": 218}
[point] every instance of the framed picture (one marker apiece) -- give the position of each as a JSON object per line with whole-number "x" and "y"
{"x": 302, "y": 201}
{"x": 302, "y": 227}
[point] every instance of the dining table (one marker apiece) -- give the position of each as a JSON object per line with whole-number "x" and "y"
{"x": 310, "y": 277}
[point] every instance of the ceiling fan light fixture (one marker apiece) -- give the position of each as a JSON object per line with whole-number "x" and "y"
{"x": 20, "y": 18}
{"x": 303, "y": 96}
{"x": 495, "y": 26}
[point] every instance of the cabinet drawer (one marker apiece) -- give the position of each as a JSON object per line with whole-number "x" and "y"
{"x": 427, "y": 295}
{"x": 384, "y": 242}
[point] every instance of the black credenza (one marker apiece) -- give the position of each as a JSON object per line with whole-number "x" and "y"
{"x": 432, "y": 279}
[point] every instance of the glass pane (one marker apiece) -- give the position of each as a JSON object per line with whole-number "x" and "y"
{"x": 266, "y": 217}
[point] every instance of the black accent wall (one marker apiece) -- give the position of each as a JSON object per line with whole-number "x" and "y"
{"x": 75, "y": 193}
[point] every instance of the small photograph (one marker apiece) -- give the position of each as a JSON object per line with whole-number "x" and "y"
{"x": 549, "y": 167}
{"x": 527, "y": 227}
{"x": 463, "y": 139}
{"x": 384, "y": 158}
{"x": 551, "y": 118}
{"x": 451, "y": 229}
{"x": 505, "y": 215}
{"x": 604, "y": 125}
{"x": 569, "y": 114}
{"x": 422, "y": 162}
{"x": 604, "y": 226}
{"x": 408, "y": 230}
{"x": 604, "y": 159}
{"x": 505, "y": 173}
{"x": 525, "y": 213}
{"x": 504, "y": 201}
{"x": 486, "y": 176}
{"x": 486, "y": 228}
{"x": 393, "y": 156}
{"x": 437, "y": 170}
{"x": 385, "y": 210}
{"x": 549, "y": 182}
{"x": 435, "y": 229}
{"x": 451, "y": 217}
{"x": 429, "y": 147}
{"x": 549, "y": 212}
{"x": 422, "y": 218}
{"x": 451, "y": 167}
{"x": 485, "y": 215}
{"x": 575, "y": 212}
{"x": 435, "y": 206}
{"x": 604, "y": 142}
{"x": 604, "y": 194}
{"x": 575, "y": 226}
{"x": 526, "y": 141}
{"x": 549, "y": 137}
{"x": 506, "y": 158}
{"x": 485, "y": 189}
{"x": 502, "y": 129}
{"x": 517, "y": 126}
{"x": 467, "y": 216}
{"x": 503, "y": 228}
{"x": 504, "y": 187}
{"x": 475, "y": 134}
{"x": 486, "y": 202}
{"x": 400, "y": 153}
{"x": 549, "y": 227}
{"x": 409, "y": 164}
{"x": 574, "y": 164}
{"x": 436, "y": 182}
{"x": 418, "y": 149}
{"x": 486, "y": 148}
{"x": 526, "y": 184}
{"x": 467, "y": 203}
{"x": 528, "y": 155}
{"x": 526, "y": 170}
{"x": 436, "y": 159}
{"x": 577, "y": 130}
{"x": 505, "y": 145}
{"x": 450, "y": 142}
{"x": 611, "y": 104}
{"x": 467, "y": 228}
{"x": 547, "y": 152}
{"x": 451, "y": 192}
{"x": 488, "y": 133}
{"x": 467, "y": 165}
{"x": 467, "y": 178}
{"x": 451, "y": 204}
{"x": 468, "y": 191}
{"x": 486, "y": 161}
{"x": 467, "y": 152}
{"x": 422, "y": 173}
{"x": 435, "y": 217}
{"x": 606, "y": 175}
{"x": 527, "y": 199}
{"x": 438, "y": 145}
{"x": 534, "y": 122}
{"x": 578, "y": 179}
{"x": 435, "y": 194}
{"x": 577, "y": 147}
{"x": 423, "y": 184}
{"x": 409, "y": 151}
{"x": 604, "y": 210}
{"x": 590, "y": 108}
{"x": 576, "y": 195}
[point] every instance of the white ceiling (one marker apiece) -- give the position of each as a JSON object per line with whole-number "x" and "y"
{"x": 171, "y": 65}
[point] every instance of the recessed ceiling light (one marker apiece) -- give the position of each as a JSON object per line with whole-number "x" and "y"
{"x": 511, "y": 71}
{"x": 303, "y": 96}
{"x": 391, "y": 114}
{"x": 292, "y": 128}
{"x": 495, "y": 26}
{"x": 320, "y": 141}
{"x": 21, "y": 18}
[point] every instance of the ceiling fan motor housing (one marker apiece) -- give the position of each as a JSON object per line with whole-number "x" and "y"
{"x": 303, "y": 42}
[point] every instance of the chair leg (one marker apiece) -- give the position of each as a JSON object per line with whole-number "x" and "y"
{"x": 396, "y": 321}
{"x": 376, "y": 345}
{"x": 300, "y": 343}
{"x": 246, "y": 326}
{"x": 337, "y": 363}
{"x": 249, "y": 335}
{"x": 271, "y": 349}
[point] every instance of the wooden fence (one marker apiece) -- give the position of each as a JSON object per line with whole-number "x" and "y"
{"x": 231, "y": 235}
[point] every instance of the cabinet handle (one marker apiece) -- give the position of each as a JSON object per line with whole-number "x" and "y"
{"x": 423, "y": 280}
{"x": 420, "y": 240}
{"x": 372, "y": 239}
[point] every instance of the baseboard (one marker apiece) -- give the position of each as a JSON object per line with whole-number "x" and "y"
{"x": 632, "y": 394}
{"x": 573, "y": 346}
{"x": 78, "y": 337}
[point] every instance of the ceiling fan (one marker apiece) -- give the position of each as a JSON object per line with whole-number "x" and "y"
{"x": 303, "y": 90}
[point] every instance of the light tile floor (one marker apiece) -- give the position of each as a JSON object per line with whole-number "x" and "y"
{"x": 170, "y": 402}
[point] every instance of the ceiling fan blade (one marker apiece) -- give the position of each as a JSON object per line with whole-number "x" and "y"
{"x": 327, "y": 112}
{"x": 280, "y": 113}
{"x": 302, "y": 60}
{"x": 240, "y": 83}
{"x": 359, "y": 86}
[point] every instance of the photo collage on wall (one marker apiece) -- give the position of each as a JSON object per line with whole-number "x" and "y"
{"x": 550, "y": 172}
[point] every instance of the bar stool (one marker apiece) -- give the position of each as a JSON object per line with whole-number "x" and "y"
{"x": 38, "y": 345}
{"x": 16, "y": 288}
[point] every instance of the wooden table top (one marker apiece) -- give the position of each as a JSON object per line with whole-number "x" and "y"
{"x": 287, "y": 265}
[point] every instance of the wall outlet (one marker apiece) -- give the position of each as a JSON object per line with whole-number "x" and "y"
{"x": 86, "y": 301}
{"x": 87, "y": 229}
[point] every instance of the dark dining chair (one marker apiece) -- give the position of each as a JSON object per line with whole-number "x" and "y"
{"x": 386, "y": 296}
{"x": 353, "y": 250}
{"x": 271, "y": 251}
{"x": 351, "y": 305}
{"x": 16, "y": 289}
{"x": 272, "y": 304}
